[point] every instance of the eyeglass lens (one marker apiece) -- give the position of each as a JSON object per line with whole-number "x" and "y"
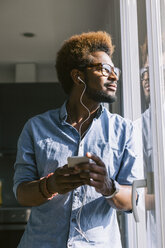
{"x": 107, "y": 70}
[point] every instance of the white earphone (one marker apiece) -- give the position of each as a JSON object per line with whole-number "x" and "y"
{"x": 81, "y": 80}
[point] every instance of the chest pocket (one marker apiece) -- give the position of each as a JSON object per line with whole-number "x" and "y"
{"x": 111, "y": 156}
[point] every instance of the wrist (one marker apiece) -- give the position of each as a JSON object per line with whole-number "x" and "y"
{"x": 44, "y": 187}
{"x": 115, "y": 187}
{"x": 50, "y": 184}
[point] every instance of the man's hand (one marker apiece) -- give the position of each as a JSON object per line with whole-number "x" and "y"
{"x": 64, "y": 180}
{"x": 95, "y": 174}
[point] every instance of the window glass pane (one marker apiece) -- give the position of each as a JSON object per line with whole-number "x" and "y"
{"x": 162, "y": 12}
{"x": 146, "y": 125}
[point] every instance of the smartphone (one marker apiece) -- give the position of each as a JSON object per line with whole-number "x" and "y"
{"x": 72, "y": 161}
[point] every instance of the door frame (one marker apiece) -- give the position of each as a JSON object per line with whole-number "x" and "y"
{"x": 132, "y": 103}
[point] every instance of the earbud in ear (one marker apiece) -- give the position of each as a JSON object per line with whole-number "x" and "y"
{"x": 81, "y": 79}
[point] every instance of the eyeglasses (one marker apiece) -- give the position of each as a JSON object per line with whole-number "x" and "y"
{"x": 105, "y": 69}
{"x": 143, "y": 71}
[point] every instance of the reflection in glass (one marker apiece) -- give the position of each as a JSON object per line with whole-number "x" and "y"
{"x": 145, "y": 125}
{"x": 148, "y": 149}
{"x": 162, "y": 11}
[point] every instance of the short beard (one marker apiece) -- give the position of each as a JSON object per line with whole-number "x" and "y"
{"x": 99, "y": 96}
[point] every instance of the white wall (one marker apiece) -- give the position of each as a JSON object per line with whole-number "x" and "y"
{"x": 44, "y": 73}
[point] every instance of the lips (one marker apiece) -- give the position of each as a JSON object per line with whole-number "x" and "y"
{"x": 111, "y": 86}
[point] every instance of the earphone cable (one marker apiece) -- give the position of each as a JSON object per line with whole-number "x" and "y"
{"x": 89, "y": 114}
{"x": 78, "y": 216}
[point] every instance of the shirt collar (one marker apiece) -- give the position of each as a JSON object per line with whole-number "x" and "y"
{"x": 99, "y": 111}
{"x": 63, "y": 111}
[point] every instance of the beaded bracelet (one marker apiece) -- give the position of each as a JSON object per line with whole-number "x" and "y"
{"x": 43, "y": 188}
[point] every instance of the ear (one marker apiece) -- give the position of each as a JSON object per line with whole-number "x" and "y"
{"x": 75, "y": 74}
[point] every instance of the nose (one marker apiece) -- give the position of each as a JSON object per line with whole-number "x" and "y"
{"x": 112, "y": 76}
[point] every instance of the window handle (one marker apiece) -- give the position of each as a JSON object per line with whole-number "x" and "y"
{"x": 137, "y": 184}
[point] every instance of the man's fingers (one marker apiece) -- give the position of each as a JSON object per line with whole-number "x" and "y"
{"x": 71, "y": 185}
{"x": 96, "y": 159}
{"x": 64, "y": 170}
{"x": 66, "y": 187}
{"x": 95, "y": 184}
{"x": 91, "y": 167}
{"x": 96, "y": 177}
{"x": 69, "y": 179}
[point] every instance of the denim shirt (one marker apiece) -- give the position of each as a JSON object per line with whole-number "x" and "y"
{"x": 44, "y": 145}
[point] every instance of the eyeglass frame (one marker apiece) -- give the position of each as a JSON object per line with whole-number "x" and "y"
{"x": 144, "y": 70}
{"x": 102, "y": 64}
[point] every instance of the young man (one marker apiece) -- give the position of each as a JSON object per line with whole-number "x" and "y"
{"x": 75, "y": 207}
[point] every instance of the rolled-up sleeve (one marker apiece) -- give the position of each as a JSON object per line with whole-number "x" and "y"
{"x": 25, "y": 165}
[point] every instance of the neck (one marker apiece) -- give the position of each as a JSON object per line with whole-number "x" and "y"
{"x": 80, "y": 116}
{"x": 81, "y": 111}
{"x": 78, "y": 112}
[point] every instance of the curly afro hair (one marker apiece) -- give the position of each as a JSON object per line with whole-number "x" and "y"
{"x": 74, "y": 54}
